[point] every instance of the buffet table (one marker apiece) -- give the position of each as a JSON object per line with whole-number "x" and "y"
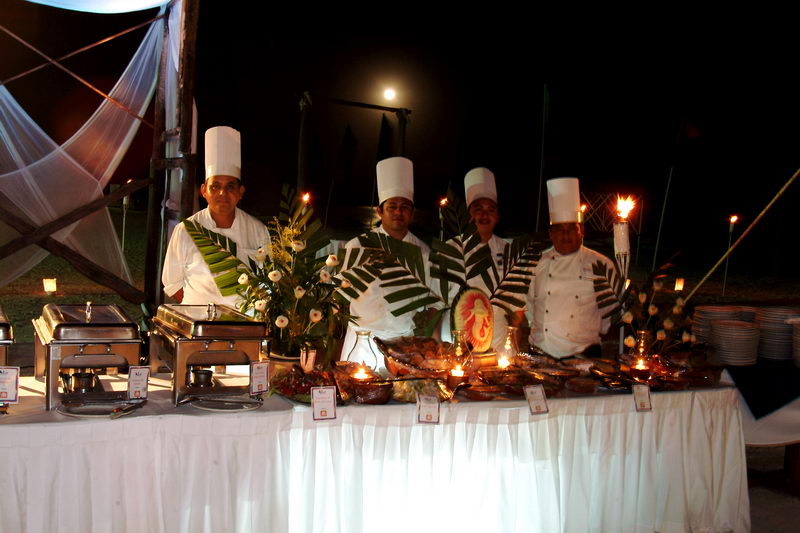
{"x": 591, "y": 464}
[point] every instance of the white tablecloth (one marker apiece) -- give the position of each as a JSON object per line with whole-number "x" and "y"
{"x": 591, "y": 464}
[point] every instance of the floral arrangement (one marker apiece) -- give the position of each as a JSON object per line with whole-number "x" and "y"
{"x": 653, "y": 316}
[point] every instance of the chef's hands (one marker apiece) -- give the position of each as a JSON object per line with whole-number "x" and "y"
{"x": 178, "y": 296}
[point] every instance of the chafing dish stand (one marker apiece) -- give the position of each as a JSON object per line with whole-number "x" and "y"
{"x": 6, "y": 338}
{"x": 75, "y": 343}
{"x": 187, "y": 339}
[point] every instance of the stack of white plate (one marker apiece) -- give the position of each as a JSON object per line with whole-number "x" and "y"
{"x": 776, "y": 334}
{"x": 795, "y": 323}
{"x": 735, "y": 341}
{"x": 704, "y": 314}
{"x": 748, "y": 314}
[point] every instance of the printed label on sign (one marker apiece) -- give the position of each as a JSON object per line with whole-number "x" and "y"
{"x": 9, "y": 384}
{"x": 427, "y": 409}
{"x": 641, "y": 396}
{"x": 259, "y": 378}
{"x": 537, "y": 401}
{"x": 138, "y": 379}
{"x": 323, "y": 403}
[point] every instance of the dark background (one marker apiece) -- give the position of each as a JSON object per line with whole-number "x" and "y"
{"x": 621, "y": 95}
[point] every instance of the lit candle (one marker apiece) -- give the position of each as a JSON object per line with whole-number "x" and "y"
{"x": 49, "y": 285}
{"x": 457, "y": 372}
{"x": 679, "y": 284}
{"x": 456, "y": 377}
{"x": 640, "y": 372}
{"x": 733, "y": 220}
{"x": 503, "y": 362}
{"x": 640, "y": 365}
{"x": 361, "y": 374}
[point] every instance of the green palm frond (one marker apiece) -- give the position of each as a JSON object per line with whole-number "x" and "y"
{"x": 219, "y": 253}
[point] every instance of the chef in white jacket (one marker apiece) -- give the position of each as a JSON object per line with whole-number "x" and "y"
{"x": 396, "y": 209}
{"x": 186, "y": 276}
{"x": 480, "y": 190}
{"x": 566, "y": 319}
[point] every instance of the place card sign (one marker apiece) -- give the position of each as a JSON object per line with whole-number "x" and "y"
{"x": 323, "y": 403}
{"x": 259, "y": 377}
{"x": 9, "y": 384}
{"x": 641, "y": 397}
{"x": 428, "y": 409}
{"x": 537, "y": 401}
{"x": 138, "y": 379}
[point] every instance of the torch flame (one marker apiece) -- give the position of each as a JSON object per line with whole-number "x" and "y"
{"x": 734, "y": 218}
{"x": 625, "y": 206}
{"x": 443, "y": 202}
{"x": 584, "y": 207}
{"x": 306, "y": 197}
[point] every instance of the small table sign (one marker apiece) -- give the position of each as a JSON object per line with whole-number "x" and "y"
{"x": 537, "y": 401}
{"x": 323, "y": 403}
{"x": 259, "y": 377}
{"x": 428, "y": 409}
{"x": 641, "y": 397}
{"x": 9, "y": 384}
{"x": 138, "y": 379}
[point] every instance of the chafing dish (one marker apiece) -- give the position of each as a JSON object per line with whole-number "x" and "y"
{"x": 75, "y": 343}
{"x": 191, "y": 340}
{"x": 6, "y": 338}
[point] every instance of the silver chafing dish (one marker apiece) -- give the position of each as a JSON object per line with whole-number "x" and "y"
{"x": 190, "y": 340}
{"x": 75, "y": 343}
{"x": 6, "y": 338}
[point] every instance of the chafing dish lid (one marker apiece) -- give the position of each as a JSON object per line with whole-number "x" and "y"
{"x": 198, "y": 321}
{"x": 106, "y": 323}
{"x": 5, "y": 327}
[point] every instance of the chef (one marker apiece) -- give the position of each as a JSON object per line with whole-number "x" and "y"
{"x": 566, "y": 319}
{"x": 396, "y": 209}
{"x": 186, "y": 276}
{"x": 480, "y": 191}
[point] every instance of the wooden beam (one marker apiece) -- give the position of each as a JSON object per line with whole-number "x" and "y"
{"x": 89, "y": 269}
{"x": 186, "y": 75}
{"x": 73, "y": 216}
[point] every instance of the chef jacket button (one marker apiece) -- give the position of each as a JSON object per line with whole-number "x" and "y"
{"x": 576, "y": 296}
{"x": 571, "y": 316}
{"x": 546, "y": 310}
{"x": 548, "y": 293}
{"x": 549, "y": 275}
{"x": 580, "y": 277}
{"x": 545, "y": 329}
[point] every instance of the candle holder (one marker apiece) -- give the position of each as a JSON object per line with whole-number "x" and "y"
{"x": 641, "y": 371}
{"x": 456, "y": 377}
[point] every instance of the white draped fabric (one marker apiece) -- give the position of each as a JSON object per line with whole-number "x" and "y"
{"x": 591, "y": 464}
{"x": 102, "y": 6}
{"x": 41, "y": 181}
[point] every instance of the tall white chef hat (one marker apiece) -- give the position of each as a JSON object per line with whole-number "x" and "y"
{"x": 564, "y": 199}
{"x": 395, "y": 178}
{"x": 223, "y": 152}
{"x": 479, "y": 183}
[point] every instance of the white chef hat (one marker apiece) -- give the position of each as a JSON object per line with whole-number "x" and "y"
{"x": 479, "y": 183}
{"x": 223, "y": 152}
{"x": 564, "y": 199}
{"x": 395, "y": 178}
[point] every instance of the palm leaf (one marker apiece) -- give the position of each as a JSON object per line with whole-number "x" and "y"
{"x": 219, "y": 253}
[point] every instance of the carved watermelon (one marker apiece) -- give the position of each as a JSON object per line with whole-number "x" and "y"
{"x": 472, "y": 312}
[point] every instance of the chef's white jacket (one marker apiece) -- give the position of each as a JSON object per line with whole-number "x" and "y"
{"x": 566, "y": 319}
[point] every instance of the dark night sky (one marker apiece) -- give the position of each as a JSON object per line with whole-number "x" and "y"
{"x": 617, "y": 99}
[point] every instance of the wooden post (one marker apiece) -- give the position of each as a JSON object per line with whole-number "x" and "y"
{"x": 186, "y": 75}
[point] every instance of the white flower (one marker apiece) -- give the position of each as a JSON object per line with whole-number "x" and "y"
{"x": 668, "y": 324}
{"x": 642, "y": 297}
{"x": 693, "y": 339}
{"x": 334, "y": 310}
{"x": 677, "y": 309}
{"x": 281, "y": 321}
{"x": 686, "y": 337}
{"x": 324, "y": 276}
{"x": 299, "y": 292}
{"x": 627, "y": 317}
{"x": 680, "y": 302}
{"x": 332, "y": 261}
{"x": 630, "y": 342}
{"x": 658, "y": 285}
{"x": 261, "y": 254}
{"x": 315, "y": 315}
{"x": 275, "y": 276}
{"x": 661, "y": 335}
{"x": 652, "y": 310}
{"x": 260, "y": 305}
{"x": 298, "y": 246}
{"x": 345, "y": 283}
{"x": 243, "y": 279}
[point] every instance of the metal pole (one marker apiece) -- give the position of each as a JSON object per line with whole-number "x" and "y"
{"x": 727, "y": 259}
{"x": 661, "y": 221}
{"x": 541, "y": 155}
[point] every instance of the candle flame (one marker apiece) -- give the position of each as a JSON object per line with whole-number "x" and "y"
{"x": 734, "y": 218}
{"x": 361, "y": 374}
{"x": 584, "y": 207}
{"x": 627, "y": 283}
{"x": 130, "y": 180}
{"x": 443, "y": 202}
{"x": 306, "y": 197}
{"x": 457, "y": 371}
{"x": 679, "y": 284}
{"x": 503, "y": 362}
{"x": 625, "y": 206}
{"x": 640, "y": 365}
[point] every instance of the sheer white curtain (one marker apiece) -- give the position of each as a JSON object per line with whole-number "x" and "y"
{"x": 41, "y": 181}
{"x": 102, "y": 6}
